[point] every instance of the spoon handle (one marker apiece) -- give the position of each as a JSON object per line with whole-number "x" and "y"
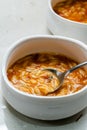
{"x": 76, "y": 67}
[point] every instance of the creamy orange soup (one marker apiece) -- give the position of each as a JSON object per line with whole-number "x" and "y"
{"x": 27, "y": 74}
{"x": 75, "y": 10}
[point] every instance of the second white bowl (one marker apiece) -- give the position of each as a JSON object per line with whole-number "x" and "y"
{"x": 64, "y": 27}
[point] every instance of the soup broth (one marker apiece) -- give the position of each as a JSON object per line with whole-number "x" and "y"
{"x": 27, "y": 74}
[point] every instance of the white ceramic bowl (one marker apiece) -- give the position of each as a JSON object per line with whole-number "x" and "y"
{"x": 64, "y": 27}
{"x": 43, "y": 107}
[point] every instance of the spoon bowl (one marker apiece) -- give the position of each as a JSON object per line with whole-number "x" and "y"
{"x": 61, "y": 75}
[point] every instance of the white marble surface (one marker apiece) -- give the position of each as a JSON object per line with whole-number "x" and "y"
{"x": 20, "y": 18}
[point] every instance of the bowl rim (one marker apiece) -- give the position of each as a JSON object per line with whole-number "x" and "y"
{"x": 62, "y": 18}
{"x": 21, "y": 41}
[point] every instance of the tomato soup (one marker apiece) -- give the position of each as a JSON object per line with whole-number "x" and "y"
{"x": 27, "y": 74}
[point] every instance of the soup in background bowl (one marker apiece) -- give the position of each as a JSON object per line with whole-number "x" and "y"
{"x": 38, "y": 106}
{"x": 75, "y": 10}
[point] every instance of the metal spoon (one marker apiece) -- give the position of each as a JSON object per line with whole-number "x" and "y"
{"x": 62, "y": 75}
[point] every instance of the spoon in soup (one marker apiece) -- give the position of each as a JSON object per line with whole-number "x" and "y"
{"x": 61, "y": 75}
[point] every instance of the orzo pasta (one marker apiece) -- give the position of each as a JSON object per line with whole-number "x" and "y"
{"x": 75, "y": 10}
{"x": 26, "y": 74}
